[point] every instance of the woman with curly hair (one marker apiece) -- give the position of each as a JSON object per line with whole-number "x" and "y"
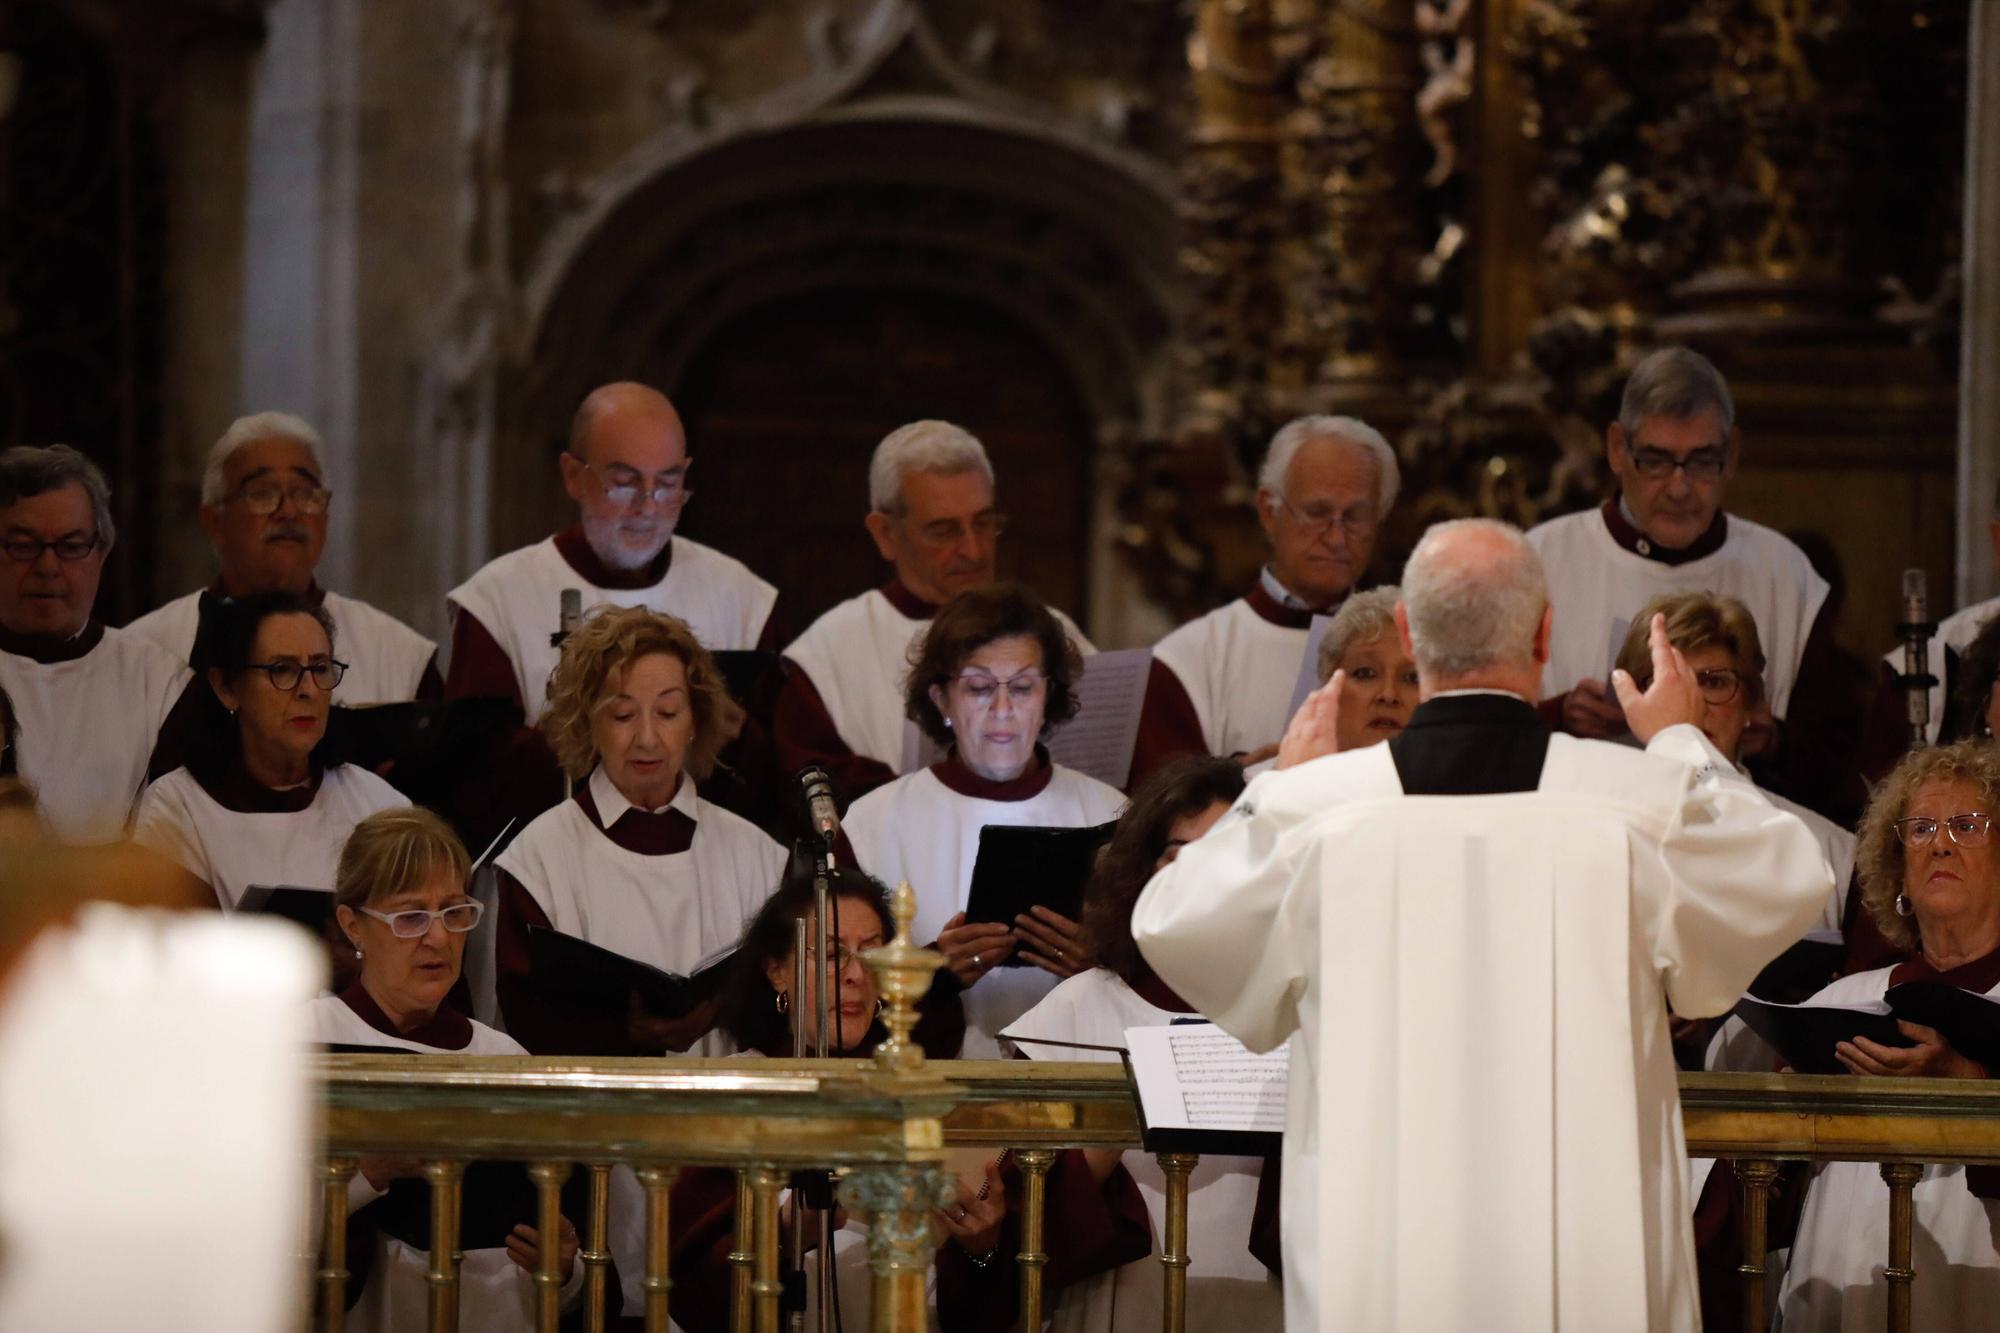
{"x": 1973, "y": 712}
{"x": 1930, "y": 877}
{"x": 636, "y": 861}
{"x": 990, "y": 679}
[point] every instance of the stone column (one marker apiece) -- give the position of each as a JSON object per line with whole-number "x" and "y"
{"x": 1979, "y": 358}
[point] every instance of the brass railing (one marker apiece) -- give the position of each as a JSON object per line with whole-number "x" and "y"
{"x": 887, "y": 1133}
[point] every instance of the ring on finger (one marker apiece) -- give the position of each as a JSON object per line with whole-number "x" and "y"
{"x": 975, "y": 960}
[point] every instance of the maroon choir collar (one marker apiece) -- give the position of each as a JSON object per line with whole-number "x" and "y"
{"x": 1270, "y": 608}
{"x": 1160, "y": 995}
{"x": 1981, "y": 974}
{"x": 1638, "y": 543}
{"x": 48, "y": 649}
{"x": 575, "y": 550}
{"x": 953, "y": 773}
{"x": 447, "y": 1029}
{"x": 314, "y": 595}
{"x": 907, "y": 602}
{"x": 642, "y": 832}
{"x": 232, "y": 788}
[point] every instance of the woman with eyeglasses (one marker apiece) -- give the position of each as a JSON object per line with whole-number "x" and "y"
{"x": 256, "y": 805}
{"x": 1930, "y": 878}
{"x": 402, "y": 907}
{"x": 990, "y": 679}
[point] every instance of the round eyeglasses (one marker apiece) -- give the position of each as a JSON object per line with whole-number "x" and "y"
{"x": 1967, "y": 830}
{"x": 416, "y": 922}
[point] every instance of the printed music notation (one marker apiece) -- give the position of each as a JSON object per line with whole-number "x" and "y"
{"x": 1197, "y": 1077}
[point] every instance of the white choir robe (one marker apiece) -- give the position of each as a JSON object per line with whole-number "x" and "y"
{"x": 495, "y": 1295}
{"x": 518, "y": 596}
{"x": 1497, "y": 1142}
{"x": 1956, "y": 633}
{"x": 1226, "y": 1286}
{"x": 386, "y": 659}
{"x": 1239, "y": 666}
{"x": 1596, "y": 586}
{"x": 857, "y": 656}
{"x": 230, "y": 844}
{"x": 88, "y": 726}
{"x": 919, "y": 829}
{"x": 671, "y": 911}
{"x": 1834, "y": 1280}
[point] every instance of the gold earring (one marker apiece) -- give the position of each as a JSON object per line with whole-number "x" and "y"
{"x": 784, "y": 1001}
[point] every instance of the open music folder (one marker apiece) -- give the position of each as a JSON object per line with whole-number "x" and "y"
{"x": 1200, "y": 1090}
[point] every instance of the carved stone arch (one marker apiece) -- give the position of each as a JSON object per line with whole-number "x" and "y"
{"x": 1071, "y": 238}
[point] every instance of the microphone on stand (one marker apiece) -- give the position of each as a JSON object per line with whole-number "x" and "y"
{"x": 820, "y": 806}
{"x": 1916, "y": 631}
{"x": 569, "y": 614}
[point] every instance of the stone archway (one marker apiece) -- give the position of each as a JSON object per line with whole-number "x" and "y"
{"x": 914, "y": 195}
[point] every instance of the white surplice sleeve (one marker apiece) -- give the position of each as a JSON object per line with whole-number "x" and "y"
{"x": 1739, "y": 881}
{"x": 1222, "y": 925}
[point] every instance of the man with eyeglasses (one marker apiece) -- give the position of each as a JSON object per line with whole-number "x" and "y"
{"x": 1673, "y": 450}
{"x": 89, "y": 701}
{"x": 626, "y": 467}
{"x": 933, "y": 517}
{"x": 264, "y": 502}
{"x": 1221, "y": 684}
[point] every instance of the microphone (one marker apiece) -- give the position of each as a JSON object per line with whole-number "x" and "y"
{"x": 1915, "y": 631}
{"x": 568, "y": 617}
{"x": 825, "y": 815}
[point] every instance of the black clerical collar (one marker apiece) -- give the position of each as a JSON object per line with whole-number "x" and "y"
{"x": 1628, "y": 537}
{"x": 49, "y": 648}
{"x": 954, "y": 773}
{"x": 447, "y": 1029}
{"x": 1474, "y": 744}
{"x": 667, "y": 832}
{"x": 1277, "y": 613}
{"x": 1981, "y": 974}
{"x": 230, "y": 786}
{"x": 575, "y": 550}
{"x": 907, "y": 602}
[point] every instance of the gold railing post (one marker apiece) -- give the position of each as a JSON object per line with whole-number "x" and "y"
{"x": 898, "y": 1200}
{"x": 740, "y": 1258}
{"x": 658, "y": 1182}
{"x": 333, "y": 1242}
{"x": 1755, "y": 1175}
{"x": 1901, "y": 1178}
{"x": 444, "y": 1177}
{"x": 1034, "y": 1164}
{"x": 765, "y": 1288}
{"x": 1178, "y": 1166}
{"x": 596, "y": 1251}
{"x": 548, "y": 1178}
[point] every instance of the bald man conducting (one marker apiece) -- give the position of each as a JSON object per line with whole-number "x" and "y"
{"x": 1471, "y": 935}
{"x": 627, "y": 468}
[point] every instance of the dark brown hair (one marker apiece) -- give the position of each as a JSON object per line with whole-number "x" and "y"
{"x": 1184, "y": 787}
{"x": 968, "y": 623}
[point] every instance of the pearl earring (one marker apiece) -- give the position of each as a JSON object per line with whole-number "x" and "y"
{"x": 1903, "y": 907}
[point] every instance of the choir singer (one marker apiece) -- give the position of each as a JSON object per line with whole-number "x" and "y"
{"x": 1470, "y": 935}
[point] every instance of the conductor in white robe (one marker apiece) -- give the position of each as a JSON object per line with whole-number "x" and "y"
{"x": 1222, "y": 684}
{"x": 1484, "y": 1127}
{"x": 264, "y": 505}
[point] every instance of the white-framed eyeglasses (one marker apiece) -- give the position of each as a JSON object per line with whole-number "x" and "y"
{"x": 415, "y": 923}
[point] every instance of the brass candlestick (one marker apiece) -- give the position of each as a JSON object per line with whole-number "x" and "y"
{"x": 902, "y": 977}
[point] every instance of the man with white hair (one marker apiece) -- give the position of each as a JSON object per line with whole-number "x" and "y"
{"x": 626, "y": 467}
{"x": 1471, "y": 935}
{"x": 264, "y": 501}
{"x": 1221, "y": 684}
{"x": 88, "y": 701}
{"x": 933, "y": 517}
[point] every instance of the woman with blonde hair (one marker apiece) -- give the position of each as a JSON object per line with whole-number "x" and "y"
{"x": 401, "y": 906}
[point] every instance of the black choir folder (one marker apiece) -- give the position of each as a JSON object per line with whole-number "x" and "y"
{"x": 311, "y": 908}
{"x": 1019, "y": 868}
{"x": 1199, "y": 1090}
{"x": 1805, "y": 1034}
{"x": 591, "y": 974}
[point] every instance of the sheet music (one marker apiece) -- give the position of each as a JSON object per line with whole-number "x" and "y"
{"x": 1099, "y": 739}
{"x": 1196, "y": 1076}
{"x": 1308, "y": 680}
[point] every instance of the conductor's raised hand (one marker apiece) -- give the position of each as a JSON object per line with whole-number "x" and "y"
{"x": 1314, "y": 728}
{"x": 973, "y": 951}
{"x": 1673, "y": 697}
